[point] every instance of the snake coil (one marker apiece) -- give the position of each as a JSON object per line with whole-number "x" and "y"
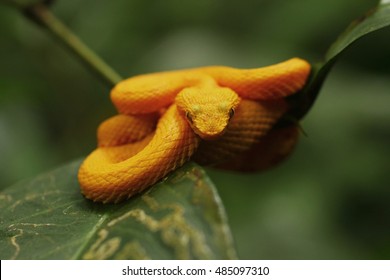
{"x": 215, "y": 115}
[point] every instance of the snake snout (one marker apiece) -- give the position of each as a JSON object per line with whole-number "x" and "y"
{"x": 211, "y": 133}
{"x": 211, "y": 137}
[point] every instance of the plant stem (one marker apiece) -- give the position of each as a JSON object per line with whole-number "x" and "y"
{"x": 45, "y": 18}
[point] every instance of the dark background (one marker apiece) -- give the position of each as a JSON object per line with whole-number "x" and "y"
{"x": 330, "y": 200}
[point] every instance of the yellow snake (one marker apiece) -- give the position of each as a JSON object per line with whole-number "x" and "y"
{"x": 212, "y": 114}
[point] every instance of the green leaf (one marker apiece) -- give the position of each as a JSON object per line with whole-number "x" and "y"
{"x": 179, "y": 218}
{"x": 374, "y": 20}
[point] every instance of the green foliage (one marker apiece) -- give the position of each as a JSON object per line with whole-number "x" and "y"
{"x": 374, "y": 20}
{"x": 179, "y": 218}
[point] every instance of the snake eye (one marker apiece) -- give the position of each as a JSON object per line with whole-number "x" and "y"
{"x": 189, "y": 117}
{"x": 231, "y": 113}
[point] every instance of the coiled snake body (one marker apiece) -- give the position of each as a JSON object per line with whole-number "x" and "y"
{"x": 212, "y": 114}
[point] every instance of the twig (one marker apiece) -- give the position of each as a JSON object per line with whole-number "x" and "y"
{"x": 45, "y": 18}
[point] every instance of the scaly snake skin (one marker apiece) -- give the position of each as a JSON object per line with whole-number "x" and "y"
{"x": 212, "y": 114}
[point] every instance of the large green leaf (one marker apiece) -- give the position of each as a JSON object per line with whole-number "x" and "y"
{"x": 179, "y": 218}
{"x": 376, "y": 19}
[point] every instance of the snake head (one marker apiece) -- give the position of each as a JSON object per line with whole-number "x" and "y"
{"x": 208, "y": 109}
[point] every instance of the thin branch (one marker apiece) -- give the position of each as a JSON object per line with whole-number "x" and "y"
{"x": 45, "y": 18}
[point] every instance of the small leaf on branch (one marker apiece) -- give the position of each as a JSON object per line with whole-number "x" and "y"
{"x": 376, "y": 19}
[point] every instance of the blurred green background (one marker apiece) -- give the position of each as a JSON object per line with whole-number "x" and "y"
{"x": 330, "y": 200}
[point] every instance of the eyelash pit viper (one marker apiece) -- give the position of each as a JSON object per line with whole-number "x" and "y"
{"x": 211, "y": 114}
